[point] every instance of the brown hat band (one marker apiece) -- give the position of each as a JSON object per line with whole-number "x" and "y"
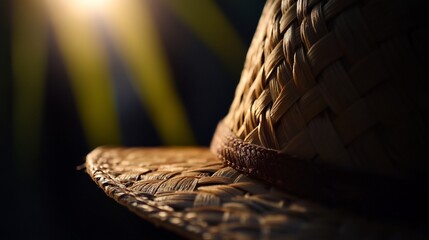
{"x": 374, "y": 194}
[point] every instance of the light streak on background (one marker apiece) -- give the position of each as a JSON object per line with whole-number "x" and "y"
{"x": 76, "y": 26}
{"x": 87, "y": 67}
{"x": 130, "y": 25}
{"x": 209, "y": 23}
{"x": 29, "y": 65}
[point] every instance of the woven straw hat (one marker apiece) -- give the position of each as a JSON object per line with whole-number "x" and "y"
{"x": 327, "y": 137}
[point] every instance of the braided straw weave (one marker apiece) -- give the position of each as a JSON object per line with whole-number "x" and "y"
{"x": 189, "y": 191}
{"x": 338, "y": 83}
{"x": 341, "y": 82}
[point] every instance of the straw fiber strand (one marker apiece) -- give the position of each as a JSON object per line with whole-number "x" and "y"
{"x": 341, "y": 83}
{"x": 189, "y": 191}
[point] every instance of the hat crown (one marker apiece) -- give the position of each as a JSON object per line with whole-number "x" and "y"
{"x": 337, "y": 82}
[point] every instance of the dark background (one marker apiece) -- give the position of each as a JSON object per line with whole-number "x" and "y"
{"x": 54, "y": 200}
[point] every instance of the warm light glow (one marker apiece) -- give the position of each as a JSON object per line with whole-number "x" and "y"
{"x": 92, "y": 5}
{"x": 85, "y": 59}
{"x": 130, "y": 27}
{"x": 83, "y": 7}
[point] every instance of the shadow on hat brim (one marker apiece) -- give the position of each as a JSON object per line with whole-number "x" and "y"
{"x": 190, "y": 191}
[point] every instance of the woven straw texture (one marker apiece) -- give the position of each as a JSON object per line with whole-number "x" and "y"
{"x": 340, "y": 82}
{"x": 189, "y": 191}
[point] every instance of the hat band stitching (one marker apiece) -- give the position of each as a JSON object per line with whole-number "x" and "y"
{"x": 375, "y": 194}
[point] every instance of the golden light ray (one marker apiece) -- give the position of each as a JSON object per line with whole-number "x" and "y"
{"x": 138, "y": 41}
{"x": 28, "y": 60}
{"x": 87, "y": 67}
{"x": 92, "y": 5}
{"x": 209, "y": 23}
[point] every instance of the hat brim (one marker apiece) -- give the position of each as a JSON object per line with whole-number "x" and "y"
{"x": 189, "y": 191}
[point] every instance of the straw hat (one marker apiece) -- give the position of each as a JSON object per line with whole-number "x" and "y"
{"x": 327, "y": 137}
